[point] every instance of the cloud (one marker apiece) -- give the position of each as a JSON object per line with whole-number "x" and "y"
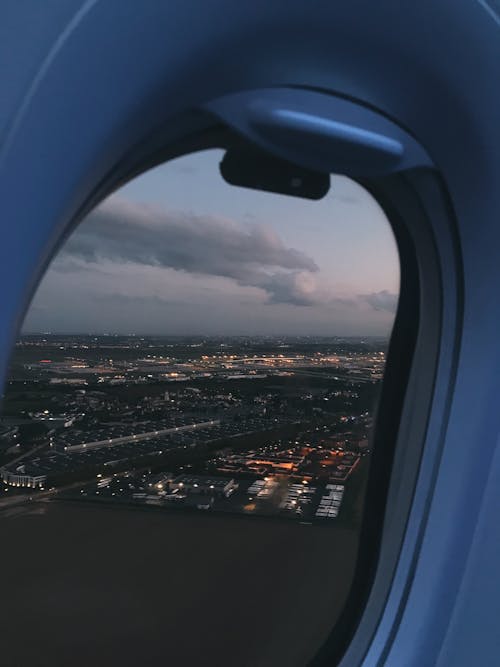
{"x": 254, "y": 256}
{"x": 298, "y": 288}
{"x": 383, "y": 300}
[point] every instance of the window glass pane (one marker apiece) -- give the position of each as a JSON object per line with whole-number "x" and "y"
{"x": 186, "y": 430}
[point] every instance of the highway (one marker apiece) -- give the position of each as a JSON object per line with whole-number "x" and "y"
{"x": 112, "y": 442}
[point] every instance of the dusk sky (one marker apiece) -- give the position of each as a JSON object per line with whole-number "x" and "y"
{"x": 178, "y": 251}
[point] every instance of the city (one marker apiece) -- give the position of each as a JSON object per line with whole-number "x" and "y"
{"x": 259, "y": 426}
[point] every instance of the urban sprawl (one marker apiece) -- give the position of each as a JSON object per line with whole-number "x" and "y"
{"x": 254, "y": 426}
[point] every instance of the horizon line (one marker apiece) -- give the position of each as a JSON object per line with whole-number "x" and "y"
{"x": 199, "y": 335}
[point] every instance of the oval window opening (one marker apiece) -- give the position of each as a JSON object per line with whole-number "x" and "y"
{"x": 186, "y": 431}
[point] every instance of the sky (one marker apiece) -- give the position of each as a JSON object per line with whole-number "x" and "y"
{"x": 177, "y": 251}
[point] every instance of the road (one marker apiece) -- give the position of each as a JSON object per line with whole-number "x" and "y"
{"x": 112, "y": 442}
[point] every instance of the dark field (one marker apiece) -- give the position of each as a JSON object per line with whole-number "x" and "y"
{"x": 84, "y": 585}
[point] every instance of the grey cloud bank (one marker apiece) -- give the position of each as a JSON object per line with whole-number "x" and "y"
{"x": 253, "y": 256}
{"x": 383, "y": 300}
{"x": 135, "y": 267}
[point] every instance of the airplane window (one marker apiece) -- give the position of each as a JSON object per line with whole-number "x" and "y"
{"x": 186, "y": 430}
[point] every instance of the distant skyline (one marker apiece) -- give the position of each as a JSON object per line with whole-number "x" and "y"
{"x": 177, "y": 251}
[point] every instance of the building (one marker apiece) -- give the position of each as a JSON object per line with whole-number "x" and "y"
{"x": 24, "y": 476}
{"x": 202, "y": 484}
